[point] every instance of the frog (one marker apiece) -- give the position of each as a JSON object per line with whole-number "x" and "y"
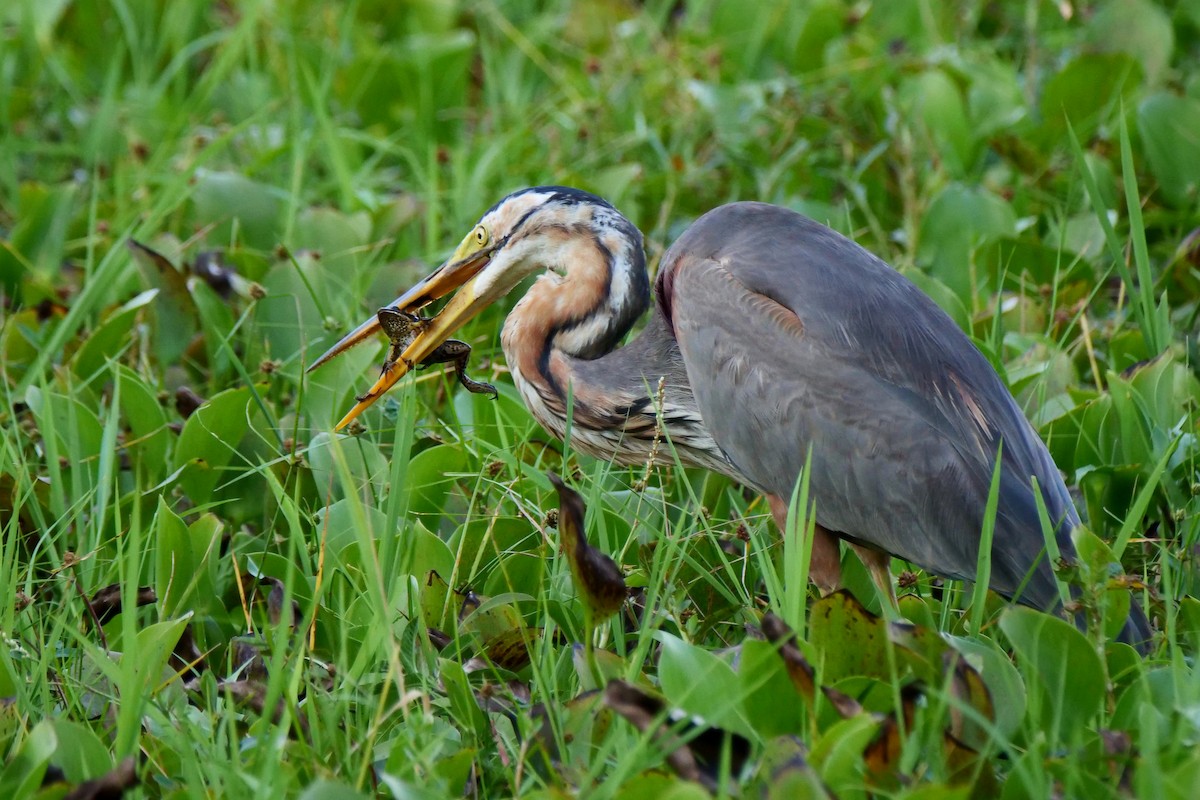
{"x": 402, "y": 327}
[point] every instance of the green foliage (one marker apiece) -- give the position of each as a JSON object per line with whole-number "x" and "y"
{"x": 197, "y": 199}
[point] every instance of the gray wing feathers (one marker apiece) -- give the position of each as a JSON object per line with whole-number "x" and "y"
{"x": 793, "y": 335}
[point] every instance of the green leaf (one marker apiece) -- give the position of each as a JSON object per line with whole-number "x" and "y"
{"x": 209, "y": 440}
{"x": 1140, "y": 29}
{"x": 111, "y": 338}
{"x": 1061, "y": 668}
{"x": 1001, "y": 677}
{"x": 463, "y": 705}
{"x": 227, "y": 200}
{"x": 431, "y": 476}
{"x": 147, "y": 421}
{"x": 1086, "y": 92}
{"x": 769, "y": 700}
{"x": 1169, "y": 126}
{"x": 934, "y": 100}
{"x": 23, "y": 773}
{"x": 851, "y": 640}
{"x": 184, "y": 561}
{"x": 697, "y": 681}
{"x": 960, "y": 219}
{"x": 326, "y": 789}
{"x": 79, "y": 753}
{"x": 366, "y": 465}
{"x": 838, "y": 754}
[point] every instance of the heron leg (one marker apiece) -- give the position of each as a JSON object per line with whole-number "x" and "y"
{"x": 879, "y": 566}
{"x": 825, "y": 565}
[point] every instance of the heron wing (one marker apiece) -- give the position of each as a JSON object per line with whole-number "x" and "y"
{"x": 793, "y": 336}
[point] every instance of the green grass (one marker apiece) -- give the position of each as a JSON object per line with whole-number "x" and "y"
{"x": 1035, "y": 173}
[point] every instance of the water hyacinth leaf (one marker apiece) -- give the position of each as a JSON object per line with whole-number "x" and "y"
{"x": 1099, "y": 565}
{"x": 174, "y": 321}
{"x": 76, "y": 427}
{"x": 700, "y": 683}
{"x": 785, "y": 774}
{"x": 933, "y": 100}
{"x": 838, "y": 754}
{"x": 598, "y": 580}
{"x": 228, "y": 199}
{"x": 486, "y": 616}
{"x": 852, "y": 640}
{"x": 971, "y": 699}
{"x": 437, "y": 603}
{"x": 23, "y": 773}
{"x": 208, "y": 440}
{"x": 596, "y": 668}
{"x": 147, "y": 447}
{"x": 216, "y": 327}
{"x": 1003, "y": 681}
{"x": 430, "y": 479}
{"x": 38, "y": 238}
{"x": 111, "y": 338}
{"x": 79, "y": 754}
{"x": 1138, "y": 28}
{"x": 694, "y": 756}
{"x": 361, "y": 458}
{"x": 764, "y": 686}
{"x": 1168, "y": 125}
{"x": 517, "y": 572}
{"x": 463, "y": 705}
{"x": 1086, "y": 90}
{"x": 325, "y": 789}
{"x": 1061, "y": 669}
{"x": 801, "y": 672}
{"x": 960, "y": 219}
{"x": 300, "y": 293}
{"x": 174, "y": 561}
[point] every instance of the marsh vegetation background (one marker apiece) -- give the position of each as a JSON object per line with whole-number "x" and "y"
{"x": 205, "y": 593}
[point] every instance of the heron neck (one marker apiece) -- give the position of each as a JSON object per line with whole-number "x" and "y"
{"x": 631, "y": 405}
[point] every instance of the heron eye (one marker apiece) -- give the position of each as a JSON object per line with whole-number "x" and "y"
{"x": 481, "y": 235}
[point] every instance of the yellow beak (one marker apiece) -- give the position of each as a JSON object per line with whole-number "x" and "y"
{"x": 458, "y": 272}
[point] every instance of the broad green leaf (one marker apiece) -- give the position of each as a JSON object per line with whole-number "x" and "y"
{"x": 22, "y": 775}
{"x": 174, "y": 563}
{"x": 111, "y": 338}
{"x": 230, "y": 201}
{"x": 1086, "y": 91}
{"x": 209, "y": 440}
{"x": 852, "y": 641}
{"x": 933, "y": 101}
{"x": 699, "y": 682}
{"x": 1099, "y": 564}
{"x": 326, "y": 789}
{"x": 960, "y": 219}
{"x": 769, "y": 700}
{"x": 463, "y": 705}
{"x": 141, "y": 411}
{"x": 79, "y": 754}
{"x": 1140, "y": 29}
{"x": 431, "y": 476}
{"x": 1169, "y": 126}
{"x": 838, "y": 754}
{"x": 1062, "y": 671}
{"x": 366, "y": 465}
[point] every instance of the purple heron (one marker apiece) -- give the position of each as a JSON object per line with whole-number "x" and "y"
{"x": 772, "y": 334}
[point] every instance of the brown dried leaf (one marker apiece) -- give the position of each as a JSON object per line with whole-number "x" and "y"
{"x": 600, "y": 583}
{"x": 801, "y": 671}
{"x": 694, "y": 753}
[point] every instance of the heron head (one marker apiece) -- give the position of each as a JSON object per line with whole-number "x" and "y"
{"x": 550, "y": 228}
